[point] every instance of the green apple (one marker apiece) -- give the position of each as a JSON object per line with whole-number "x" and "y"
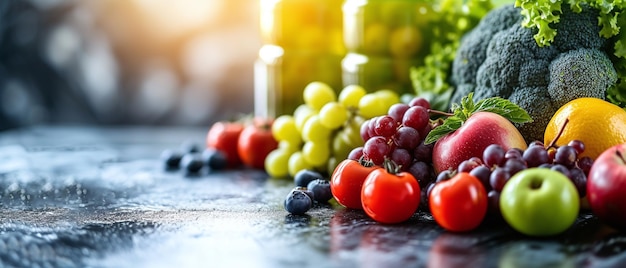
{"x": 539, "y": 202}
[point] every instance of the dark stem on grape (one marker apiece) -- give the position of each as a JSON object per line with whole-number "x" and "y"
{"x": 558, "y": 135}
{"x": 439, "y": 112}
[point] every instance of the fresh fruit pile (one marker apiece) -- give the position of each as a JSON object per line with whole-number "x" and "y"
{"x": 322, "y": 131}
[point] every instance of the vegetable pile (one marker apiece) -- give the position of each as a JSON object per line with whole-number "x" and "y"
{"x": 540, "y": 70}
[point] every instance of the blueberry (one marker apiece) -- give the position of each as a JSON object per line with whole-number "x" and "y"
{"x": 298, "y": 202}
{"x": 191, "y": 163}
{"x": 171, "y": 158}
{"x": 214, "y": 159}
{"x": 190, "y": 147}
{"x": 321, "y": 190}
{"x": 305, "y": 190}
{"x": 304, "y": 177}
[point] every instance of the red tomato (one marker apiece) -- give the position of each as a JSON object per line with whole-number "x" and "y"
{"x": 224, "y": 136}
{"x": 390, "y": 197}
{"x": 256, "y": 142}
{"x": 346, "y": 182}
{"x": 458, "y": 204}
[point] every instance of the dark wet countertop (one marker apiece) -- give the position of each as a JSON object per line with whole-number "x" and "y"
{"x": 99, "y": 197}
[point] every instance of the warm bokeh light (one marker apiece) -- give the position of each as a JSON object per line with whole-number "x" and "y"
{"x": 172, "y": 18}
{"x": 183, "y": 62}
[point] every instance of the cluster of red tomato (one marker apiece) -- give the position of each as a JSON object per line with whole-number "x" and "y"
{"x": 245, "y": 142}
{"x": 388, "y": 196}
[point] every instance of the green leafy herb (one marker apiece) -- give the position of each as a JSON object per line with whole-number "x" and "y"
{"x": 462, "y": 112}
{"x": 449, "y": 21}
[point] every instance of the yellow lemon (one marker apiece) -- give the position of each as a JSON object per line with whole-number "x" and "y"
{"x": 597, "y": 123}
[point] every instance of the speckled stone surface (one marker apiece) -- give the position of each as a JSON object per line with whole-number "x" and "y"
{"x": 99, "y": 197}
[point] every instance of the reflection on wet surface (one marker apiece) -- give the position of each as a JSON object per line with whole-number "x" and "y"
{"x": 80, "y": 197}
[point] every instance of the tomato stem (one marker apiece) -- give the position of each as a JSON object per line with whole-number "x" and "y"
{"x": 364, "y": 162}
{"x": 390, "y": 166}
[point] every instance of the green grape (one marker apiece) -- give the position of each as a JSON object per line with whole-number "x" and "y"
{"x": 342, "y": 145}
{"x": 297, "y": 163}
{"x": 316, "y": 153}
{"x": 333, "y": 115}
{"x": 371, "y": 106}
{"x": 290, "y": 147}
{"x": 332, "y": 164}
{"x": 276, "y": 163}
{"x": 389, "y": 97}
{"x": 316, "y": 94}
{"x": 284, "y": 129}
{"x": 313, "y": 130}
{"x": 353, "y": 130}
{"x": 301, "y": 115}
{"x": 350, "y": 95}
{"x": 377, "y": 103}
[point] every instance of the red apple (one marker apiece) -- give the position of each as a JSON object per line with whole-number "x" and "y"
{"x": 606, "y": 186}
{"x": 479, "y": 131}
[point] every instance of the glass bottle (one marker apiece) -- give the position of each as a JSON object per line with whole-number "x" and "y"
{"x": 302, "y": 43}
{"x": 384, "y": 39}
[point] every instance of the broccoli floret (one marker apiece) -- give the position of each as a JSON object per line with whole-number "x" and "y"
{"x": 500, "y": 57}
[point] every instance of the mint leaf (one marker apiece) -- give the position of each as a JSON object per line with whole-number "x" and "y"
{"x": 462, "y": 112}
{"x": 449, "y": 125}
{"x": 505, "y": 108}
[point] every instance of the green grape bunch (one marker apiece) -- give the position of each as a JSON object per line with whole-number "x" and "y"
{"x": 323, "y": 130}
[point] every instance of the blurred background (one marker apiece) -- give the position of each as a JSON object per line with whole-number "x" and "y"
{"x": 117, "y": 62}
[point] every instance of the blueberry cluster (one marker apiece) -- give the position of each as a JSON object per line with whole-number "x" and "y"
{"x": 310, "y": 187}
{"x": 191, "y": 158}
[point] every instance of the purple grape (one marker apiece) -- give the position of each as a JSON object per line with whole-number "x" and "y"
{"x": 420, "y": 101}
{"x": 493, "y": 155}
{"x": 365, "y": 130}
{"x": 546, "y": 165}
{"x": 498, "y": 178}
{"x": 356, "y": 153}
{"x": 535, "y": 155}
{"x": 421, "y": 172}
{"x": 402, "y": 158}
{"x": 578, "y": 177}
{"x": 444, "y": 175}
{"x": 585, "y": 164}
{"x": 536, "y": 143}
{"x": 407, "y": 138}
{"x": 566, "y": 155}
{"x": 482, "y": 173}
{"x": 469, "y": 165}
{"x": 515, "y": 165}
{"x": 385, "y": 126}
{"x": 397, "y": 111}
{"x": 493, "y": 202}
{"x": 376, "y": 148}
{"x": 514, "y": 153}
{"x": 416, "y": 117}
{"x": 578, "y": 145}
{"x": 429, "y": 188}
{"x": 423, "y": 152}
{"x": 561, "y": 168}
